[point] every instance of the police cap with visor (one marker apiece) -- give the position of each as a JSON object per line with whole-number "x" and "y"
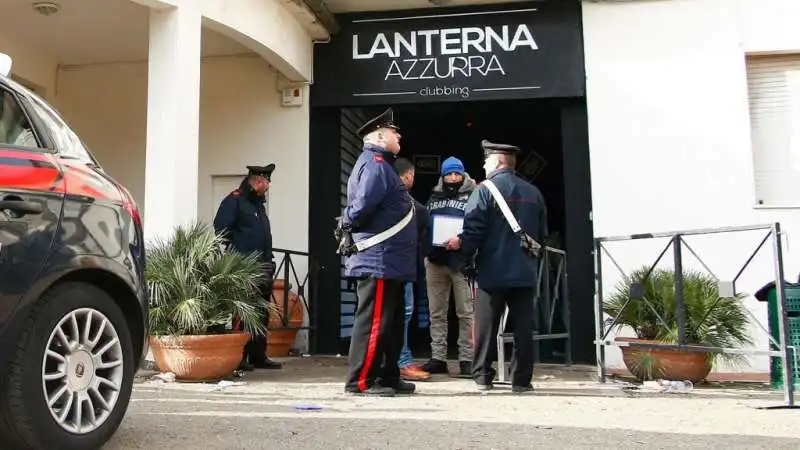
{"x": 491, "y": 148}
{"x": 264, "y": 171}
{"x": 384, "y": 120}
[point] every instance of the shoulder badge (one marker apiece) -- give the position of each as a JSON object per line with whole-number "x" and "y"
{"x": 236, "y": 193}
{"x": 378, "y": 157}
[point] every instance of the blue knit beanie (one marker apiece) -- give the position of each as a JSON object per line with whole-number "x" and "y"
{"x": 453, "y": 165}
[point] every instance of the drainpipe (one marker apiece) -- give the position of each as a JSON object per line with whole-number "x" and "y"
{"x": 322, "y": 13}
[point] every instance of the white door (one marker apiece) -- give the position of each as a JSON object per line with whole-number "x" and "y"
{"x": 774, "y": 91}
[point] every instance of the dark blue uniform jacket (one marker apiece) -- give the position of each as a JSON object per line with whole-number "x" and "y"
{"x": 501, "y": 262}
{"x": 243, "y": 220}
{"x": 423, "y": 218}
{"x": 376, "y": 200}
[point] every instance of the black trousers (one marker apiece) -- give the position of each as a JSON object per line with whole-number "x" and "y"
{"x": 489, "y": 308}
{"x": 255, "y": 351}
{"x": 377, "y": 335}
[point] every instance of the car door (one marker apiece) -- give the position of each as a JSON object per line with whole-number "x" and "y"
{"x": 31, "y": 201}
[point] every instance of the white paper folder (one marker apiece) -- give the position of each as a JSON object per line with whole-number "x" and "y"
{"x": 446, "y": 228}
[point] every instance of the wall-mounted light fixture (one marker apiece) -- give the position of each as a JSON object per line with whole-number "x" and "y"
{"x": 46, "y": 8}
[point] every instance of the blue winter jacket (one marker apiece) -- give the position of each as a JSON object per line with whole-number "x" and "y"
{"x": 500, "y": 261}
{"x": 443, "y": 204}
{"x": 376, "y": 200}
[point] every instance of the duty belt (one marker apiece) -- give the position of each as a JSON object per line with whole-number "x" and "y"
{"x": 372, "y": 241}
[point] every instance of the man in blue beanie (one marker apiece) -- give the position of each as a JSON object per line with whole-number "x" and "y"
{"x": 449, "y": 198}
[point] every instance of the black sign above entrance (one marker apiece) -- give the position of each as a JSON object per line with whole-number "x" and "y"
{"x": 533, "y": 50}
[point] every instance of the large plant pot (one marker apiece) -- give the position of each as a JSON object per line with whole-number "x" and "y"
{"x": 199, "y": 358}
{"x": 279, "y": 341}
{"x": 664, "y": 364}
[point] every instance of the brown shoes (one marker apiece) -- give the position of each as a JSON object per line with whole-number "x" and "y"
{"x": 414, "y": 373}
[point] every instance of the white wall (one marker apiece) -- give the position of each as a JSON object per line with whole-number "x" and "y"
{"x": 268, "y": 28}
{"x": 107, "y": 106}
{"x": 33, "y": 65}
{"x": 769, "y": 26}
{"x": 669, "y": 131}
{"x": 242, "y": 122}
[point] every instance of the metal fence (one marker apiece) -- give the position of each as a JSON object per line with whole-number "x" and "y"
{"x": 785, "y": 352}
{"x": 286, "y": 270}
{"x": 550, "y": 309}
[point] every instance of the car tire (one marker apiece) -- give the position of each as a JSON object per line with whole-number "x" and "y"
{"x": 28, "y": 419}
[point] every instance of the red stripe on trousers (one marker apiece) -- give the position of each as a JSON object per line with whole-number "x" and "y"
{"x": 373, "y": 336}
{"x": 474, "y": 296}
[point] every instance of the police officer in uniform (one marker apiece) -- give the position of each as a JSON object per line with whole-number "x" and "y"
{"x": 378, "y": 234}
{"x": 243, "y": 220}
{"x": 506, "y": 263}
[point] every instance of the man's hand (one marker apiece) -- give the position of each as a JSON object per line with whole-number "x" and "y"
{"x": 270, "y": 269}
{"x": 468, "y": 270}
{"x": 453, "y": 243}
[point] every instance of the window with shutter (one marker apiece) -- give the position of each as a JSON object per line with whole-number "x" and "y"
{"x": 774, "y": 95}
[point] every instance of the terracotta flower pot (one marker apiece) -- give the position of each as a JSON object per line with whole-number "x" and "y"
{"x": 279, "y": 341}
{"x": 199, "y": 358}
{"x": 664, "y": 364}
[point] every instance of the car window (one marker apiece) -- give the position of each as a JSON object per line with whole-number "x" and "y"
{"x": 68, "y": 144}
{"x": 15, "y": 129}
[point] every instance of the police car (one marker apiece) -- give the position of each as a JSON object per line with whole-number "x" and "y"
{"x": 73, "y": 309}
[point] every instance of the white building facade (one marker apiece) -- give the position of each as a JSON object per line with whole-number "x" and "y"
{"x": 176, "y": 97}
{"x": 694, "y": 122}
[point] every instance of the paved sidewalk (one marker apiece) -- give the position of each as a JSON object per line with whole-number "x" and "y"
{"x": 568, "y": 409}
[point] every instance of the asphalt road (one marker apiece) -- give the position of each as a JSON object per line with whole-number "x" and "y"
{"x": 142, "y": 431}
{"x": 199, "y": 417}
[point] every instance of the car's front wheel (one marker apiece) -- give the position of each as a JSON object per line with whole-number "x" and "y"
{"x": 70, "y": 382}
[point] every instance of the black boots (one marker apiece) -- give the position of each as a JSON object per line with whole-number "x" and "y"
{"x": 435, "y": 366}
{"x": 265, "y": 363}
{"x": 465, "y": 369}
{"x": 402, "y": 388}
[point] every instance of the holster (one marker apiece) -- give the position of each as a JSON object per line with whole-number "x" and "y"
{"x": 346, "y": 247}
{"x": 469, "y": 268}
{"x": 529, "y": 245}
{"x": 345, "y": 239}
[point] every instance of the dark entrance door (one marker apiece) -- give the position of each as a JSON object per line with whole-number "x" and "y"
{"x": 530, "y": 50}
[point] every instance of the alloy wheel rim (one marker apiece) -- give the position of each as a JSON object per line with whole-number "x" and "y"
{"x": 82, "y": 370}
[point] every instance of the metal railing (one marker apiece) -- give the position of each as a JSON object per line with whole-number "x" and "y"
{"x": 727, "y": 289}
{"x": 551, "y": 303}
{"x": 287, "y": 272}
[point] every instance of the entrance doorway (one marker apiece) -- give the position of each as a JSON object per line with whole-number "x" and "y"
{"x": 442, "y": 130}
{"x": 554, "y": 138}
{"x": 533, "y": 97}
{"x": 433, "y": 132}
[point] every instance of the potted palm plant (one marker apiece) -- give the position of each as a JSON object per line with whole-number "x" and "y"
{"x": 196, "y": 288}
{"x": 710, "y": 320}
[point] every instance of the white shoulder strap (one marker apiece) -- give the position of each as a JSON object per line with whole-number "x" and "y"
{"x": 501, "y": 202}
{"x": 386, "y": 234}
